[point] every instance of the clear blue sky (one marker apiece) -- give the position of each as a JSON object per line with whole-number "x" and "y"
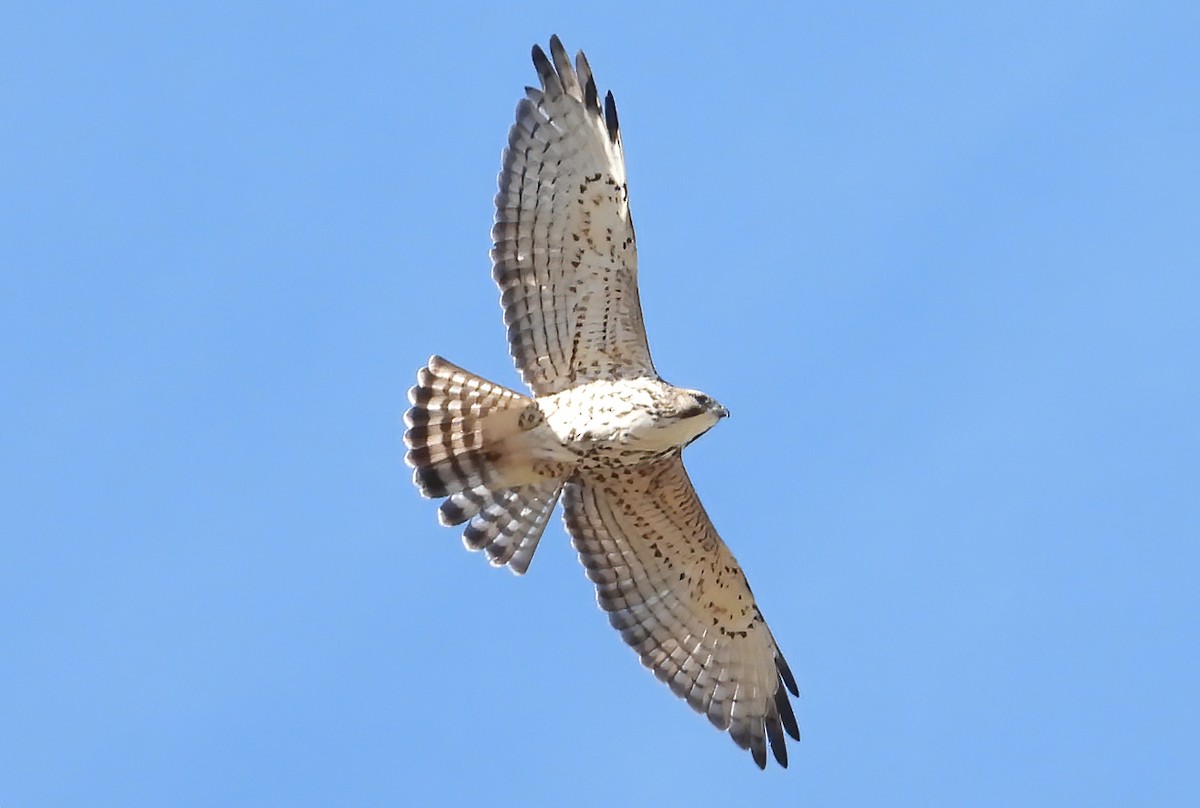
{"x": 941, "y": 262}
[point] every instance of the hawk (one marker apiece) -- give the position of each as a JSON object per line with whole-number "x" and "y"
{"x": 602, "y": 431}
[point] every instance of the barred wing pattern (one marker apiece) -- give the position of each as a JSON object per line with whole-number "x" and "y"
{"x": 678, "y": 597}
{"x": 564, "y": 255}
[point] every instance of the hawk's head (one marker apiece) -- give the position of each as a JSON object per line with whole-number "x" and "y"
{"x": 695, "y": 413}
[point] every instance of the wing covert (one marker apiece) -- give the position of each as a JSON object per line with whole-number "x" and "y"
{"x": 564, "y": 253}
{"x": 676, "y": 594}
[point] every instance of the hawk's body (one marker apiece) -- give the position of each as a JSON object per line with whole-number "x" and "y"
{"x": 602, "y": 431}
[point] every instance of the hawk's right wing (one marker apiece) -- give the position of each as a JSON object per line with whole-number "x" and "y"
{"x": 564, "y": 254}
{"x": 677, "y": 595}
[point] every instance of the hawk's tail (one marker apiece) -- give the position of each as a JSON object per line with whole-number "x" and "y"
{"x": 469, "y": 440}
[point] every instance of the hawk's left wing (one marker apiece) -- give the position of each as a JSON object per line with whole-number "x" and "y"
{"x": 564, "y": 256}
{"x": 677, "y": 595}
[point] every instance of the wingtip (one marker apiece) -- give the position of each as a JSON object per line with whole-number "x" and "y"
{"x": 544, "y": 68}
{"x": 775, "y": 737}
{"x": 759, "y": 752}
{"x": 591, "y": 97}
{"x": 785, "y": 673}
{"x": 610, "y": 117}
{"x": 583, "y": 70}
{"x": 787, "y": 716}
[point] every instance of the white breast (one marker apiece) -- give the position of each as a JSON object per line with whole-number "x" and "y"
{"x": 619, "y": 419}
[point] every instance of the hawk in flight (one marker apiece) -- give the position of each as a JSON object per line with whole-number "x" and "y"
{"x": 601, "y": 431}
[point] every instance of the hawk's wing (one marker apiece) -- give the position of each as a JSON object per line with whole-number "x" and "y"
{"x": 677, "y": 595}
{"x": 564, "y": 254}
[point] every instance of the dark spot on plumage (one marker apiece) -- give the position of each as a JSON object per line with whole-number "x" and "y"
{"x": 531, "y": 417}
{"x": 452, "y": 514}
{"x": 443, "y": 432}
{"x": 430, "y": 482}
{"x": 635, "y": 635}
{"x": 474, "y": 537}
{"x": 417, "y": 456}
{"x": 421, "y": 395}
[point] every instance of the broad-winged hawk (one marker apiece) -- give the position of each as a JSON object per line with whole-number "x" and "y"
{"x": 602, "y": 430}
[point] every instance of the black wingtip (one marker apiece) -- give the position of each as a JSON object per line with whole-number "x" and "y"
{"x": 778, "y": 746}
{"x": 591, "y": 98}
{"x": 610, "y": 116}
{"x": 583, "y": 70}
{"x": 541, "y": 62}
{"x": 786, "y": 674}
{"x": 786, "y": 716}
{"x": 562, "y": 63}
{"x": 758, "y": 750}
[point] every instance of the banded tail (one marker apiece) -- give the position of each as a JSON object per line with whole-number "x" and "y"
{"x": 471, "y": 441}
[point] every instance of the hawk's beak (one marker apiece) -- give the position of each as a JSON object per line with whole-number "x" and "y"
{"x": 722, "y": 412}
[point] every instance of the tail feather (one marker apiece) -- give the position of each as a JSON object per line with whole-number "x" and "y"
{"x": 458, "y": 424}
{"x": 507, "y": 524}
{"x": 467, "y": 442}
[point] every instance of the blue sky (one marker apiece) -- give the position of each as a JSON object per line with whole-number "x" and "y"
{"x": 942, "y": 263}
